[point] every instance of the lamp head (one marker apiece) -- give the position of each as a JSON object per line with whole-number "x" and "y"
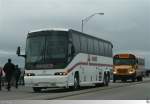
{"x": 100, "y": 13}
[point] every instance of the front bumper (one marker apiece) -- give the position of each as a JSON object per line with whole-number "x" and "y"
{"x": 46, "y": 81}
{"x": 130, "y": 76}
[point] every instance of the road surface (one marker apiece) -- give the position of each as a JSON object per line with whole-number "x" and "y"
{"x": 115, "y": 91}
{"x": 133, "y": 92}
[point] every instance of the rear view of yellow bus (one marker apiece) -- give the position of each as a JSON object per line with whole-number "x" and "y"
{"x": 128, "y": 66}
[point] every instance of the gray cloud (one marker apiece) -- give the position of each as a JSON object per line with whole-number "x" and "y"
{"x": 126, "y": 22}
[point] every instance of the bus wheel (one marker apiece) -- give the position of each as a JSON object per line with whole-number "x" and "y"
{"x": 76, "y": 81}
{"x": 36, "y": 89}
{"x": 133, "y": 79}
{"x": 140, "y": 78}
{"x": 105, "y": 80}
{"x": 114, "y": 79}
{"x": 108, "y": 74}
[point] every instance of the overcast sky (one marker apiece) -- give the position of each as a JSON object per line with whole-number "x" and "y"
{"x": 126, "y": 23}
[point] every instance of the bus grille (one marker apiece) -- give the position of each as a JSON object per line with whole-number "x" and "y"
{"x": 122, "y": 71}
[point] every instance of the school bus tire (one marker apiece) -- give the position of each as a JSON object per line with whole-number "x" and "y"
{"x": 114, "y": 79}
{"x": 36, "y": 89}
{"x": 140, "y": 78}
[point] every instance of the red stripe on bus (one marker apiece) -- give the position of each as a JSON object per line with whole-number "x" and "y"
{"x": 90, "y": 64}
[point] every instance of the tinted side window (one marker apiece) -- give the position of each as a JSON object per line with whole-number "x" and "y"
{"x": 104, "y": 49}
{"x": 76, "y": 42}
{"x": 107, "y": 49}
{"x": 90, "y": 46}
{"x": 83, "y": 44}
{"x": 96, "y": 47}
{"x": 101, "y": 48}
{"x": 110, "y": 50}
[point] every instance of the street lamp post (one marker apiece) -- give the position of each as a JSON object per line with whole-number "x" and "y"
{"x": 88, "y": 18}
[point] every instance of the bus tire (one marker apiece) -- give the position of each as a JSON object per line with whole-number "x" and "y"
{"x": 133, "y": 79}
{"x": 114, "y": 79}
{"x": 36, "y": 89}
{"x": 105, "y": 80}
{"x": 76, "y": 81}
{"x": 70, "y": 88}
{"x": 108, "y": 74}
{"x": 140, "y": 78}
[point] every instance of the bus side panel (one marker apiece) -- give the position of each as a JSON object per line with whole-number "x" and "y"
{"x": 89, "y": 72}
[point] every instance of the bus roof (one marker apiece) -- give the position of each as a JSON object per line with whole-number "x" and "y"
{"x": 125, "y": 55}
{"x": 49, "y": 29}
{"x": 88, "y": 35}
{"x": 63, "y": 29}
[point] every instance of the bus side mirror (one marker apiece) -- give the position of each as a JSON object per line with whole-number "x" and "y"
{"x": 18, "y": 51}
{"x": 69, "y": 55}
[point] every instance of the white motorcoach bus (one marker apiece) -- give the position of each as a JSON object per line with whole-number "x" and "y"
{"x": 66, "y": 58}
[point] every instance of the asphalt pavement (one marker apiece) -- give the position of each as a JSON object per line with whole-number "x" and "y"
{"x": 115, "y": 91}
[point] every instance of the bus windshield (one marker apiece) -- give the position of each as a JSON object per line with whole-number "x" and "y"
{"x": 124, "y": 61}
{"x": 46, "y": 50}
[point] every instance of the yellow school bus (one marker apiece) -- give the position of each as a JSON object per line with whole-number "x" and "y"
{"x": 128, "y": 66}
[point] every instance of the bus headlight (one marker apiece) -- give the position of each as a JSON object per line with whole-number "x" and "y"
{"x": 114, "y": 71}
{"x": 29, "y": 74}
{"x": 60, "y": 73}
{"x": 131, "y": 71}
